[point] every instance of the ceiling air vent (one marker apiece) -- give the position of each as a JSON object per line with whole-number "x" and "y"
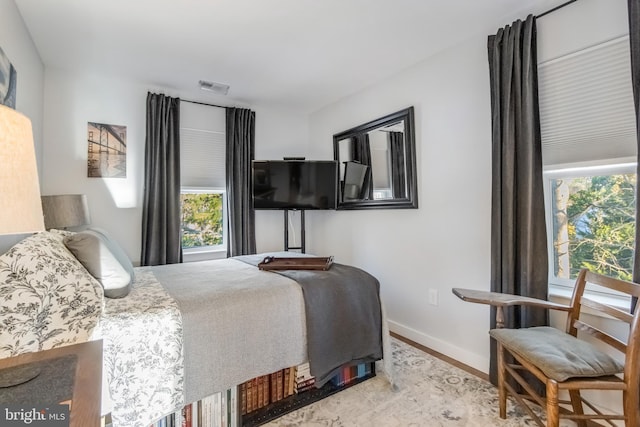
{"x": 214, "y": 87}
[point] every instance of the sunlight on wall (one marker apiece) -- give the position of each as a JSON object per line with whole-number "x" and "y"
{"x": 123, "y": 193}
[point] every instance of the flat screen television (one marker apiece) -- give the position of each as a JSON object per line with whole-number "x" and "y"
{"x": 294, "y": 184}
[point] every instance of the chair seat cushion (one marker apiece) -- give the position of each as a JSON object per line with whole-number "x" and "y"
{"x": 559, "y": 355}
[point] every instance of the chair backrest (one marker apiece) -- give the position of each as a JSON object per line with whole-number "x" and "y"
{"x": 576, "y": 322}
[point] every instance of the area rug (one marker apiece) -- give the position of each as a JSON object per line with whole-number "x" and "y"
{"x": 430, "y": 393}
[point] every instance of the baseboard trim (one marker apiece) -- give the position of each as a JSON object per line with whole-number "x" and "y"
{"x": 455, "y": 355}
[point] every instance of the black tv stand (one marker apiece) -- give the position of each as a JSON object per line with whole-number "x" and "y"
{"x": 286, "y": 231}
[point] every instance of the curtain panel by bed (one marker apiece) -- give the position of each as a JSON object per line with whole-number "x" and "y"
{"x": 634, "y": 42}
{"x": 241, "y": 236}
{"x": 161, "y": 240}
{"x": 519, "y": 263}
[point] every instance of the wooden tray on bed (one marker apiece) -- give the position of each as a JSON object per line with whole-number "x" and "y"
{"x": 296, "y": 263}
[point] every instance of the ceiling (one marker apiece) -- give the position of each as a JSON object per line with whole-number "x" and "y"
{"x": 300, "y": 54}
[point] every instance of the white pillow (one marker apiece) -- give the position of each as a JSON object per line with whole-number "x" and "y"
{"x": 116, "y": 250}
{"x": 94, "y": 250}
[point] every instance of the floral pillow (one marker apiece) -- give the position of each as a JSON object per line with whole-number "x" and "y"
{"x": 47, "y": 298}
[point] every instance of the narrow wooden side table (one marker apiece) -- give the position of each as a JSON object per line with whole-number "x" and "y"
{"x": 87, "y": 387}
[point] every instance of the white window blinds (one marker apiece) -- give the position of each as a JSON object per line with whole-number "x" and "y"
{"x": 586, "y": 105}
{"x": 202, "y": 146}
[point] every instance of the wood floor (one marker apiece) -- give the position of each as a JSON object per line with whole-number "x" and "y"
{"x": 441, "y": 356}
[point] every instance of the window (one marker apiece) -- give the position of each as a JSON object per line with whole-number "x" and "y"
{"x": 592, "y": 221}
{"x": 587, "y": 121}
{"x": 202, "y": 174}
{"x": 203, "y": 219}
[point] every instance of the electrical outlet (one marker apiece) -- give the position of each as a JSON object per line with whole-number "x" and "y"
{"x": 433, "y": 296}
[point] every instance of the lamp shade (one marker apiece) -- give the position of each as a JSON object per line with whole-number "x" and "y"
{"x": 21, "y": 211}
{"x": 65, "y": 210}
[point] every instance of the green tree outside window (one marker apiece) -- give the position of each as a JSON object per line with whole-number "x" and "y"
{"x": 594, "y": 225}
{"x": 201, "y": 219}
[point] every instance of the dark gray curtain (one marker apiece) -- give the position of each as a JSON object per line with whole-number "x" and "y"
{"x": 634, "y": 41}
{"x": 241, "y": 236}
{"x": 396, "y": 148}
{"x": 361, "y": 152}
{"x": 519, "y": 263}
{"x": 161, "y": 239}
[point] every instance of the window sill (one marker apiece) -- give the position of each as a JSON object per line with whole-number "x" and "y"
{"x": 204, "y": 254}
{"x": 562, "y": 295}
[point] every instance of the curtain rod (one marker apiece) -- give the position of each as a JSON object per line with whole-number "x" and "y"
{"x": 555, "y": 8}
{"x": 204, "y": 103}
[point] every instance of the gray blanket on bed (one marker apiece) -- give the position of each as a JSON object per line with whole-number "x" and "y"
{"x": 238, "y": 322}
{"x": 343, "y": 316}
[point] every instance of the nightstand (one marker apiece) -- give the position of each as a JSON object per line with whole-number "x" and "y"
{"x": 86, "y": 387}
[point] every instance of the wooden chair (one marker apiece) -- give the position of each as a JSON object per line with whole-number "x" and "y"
{"x": 562, "y": 361}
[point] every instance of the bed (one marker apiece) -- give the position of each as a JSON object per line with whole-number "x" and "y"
{"x": 186, "y": 331}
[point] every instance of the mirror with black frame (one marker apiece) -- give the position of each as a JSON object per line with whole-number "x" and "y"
{"x": 377, "y": 165}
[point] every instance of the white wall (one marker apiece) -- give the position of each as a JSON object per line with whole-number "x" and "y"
{"x": 280, "y": 132}
{"x": 446, "y": 242}
{"x": 16, "y": 43}
{"x": 72, "y": 100}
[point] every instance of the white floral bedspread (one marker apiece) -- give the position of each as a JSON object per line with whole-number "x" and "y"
{"x": 143, "y": 359}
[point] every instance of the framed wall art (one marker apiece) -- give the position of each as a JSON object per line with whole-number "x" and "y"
{"x": 8, "y": 81}
{"x": 107, "y": 156}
